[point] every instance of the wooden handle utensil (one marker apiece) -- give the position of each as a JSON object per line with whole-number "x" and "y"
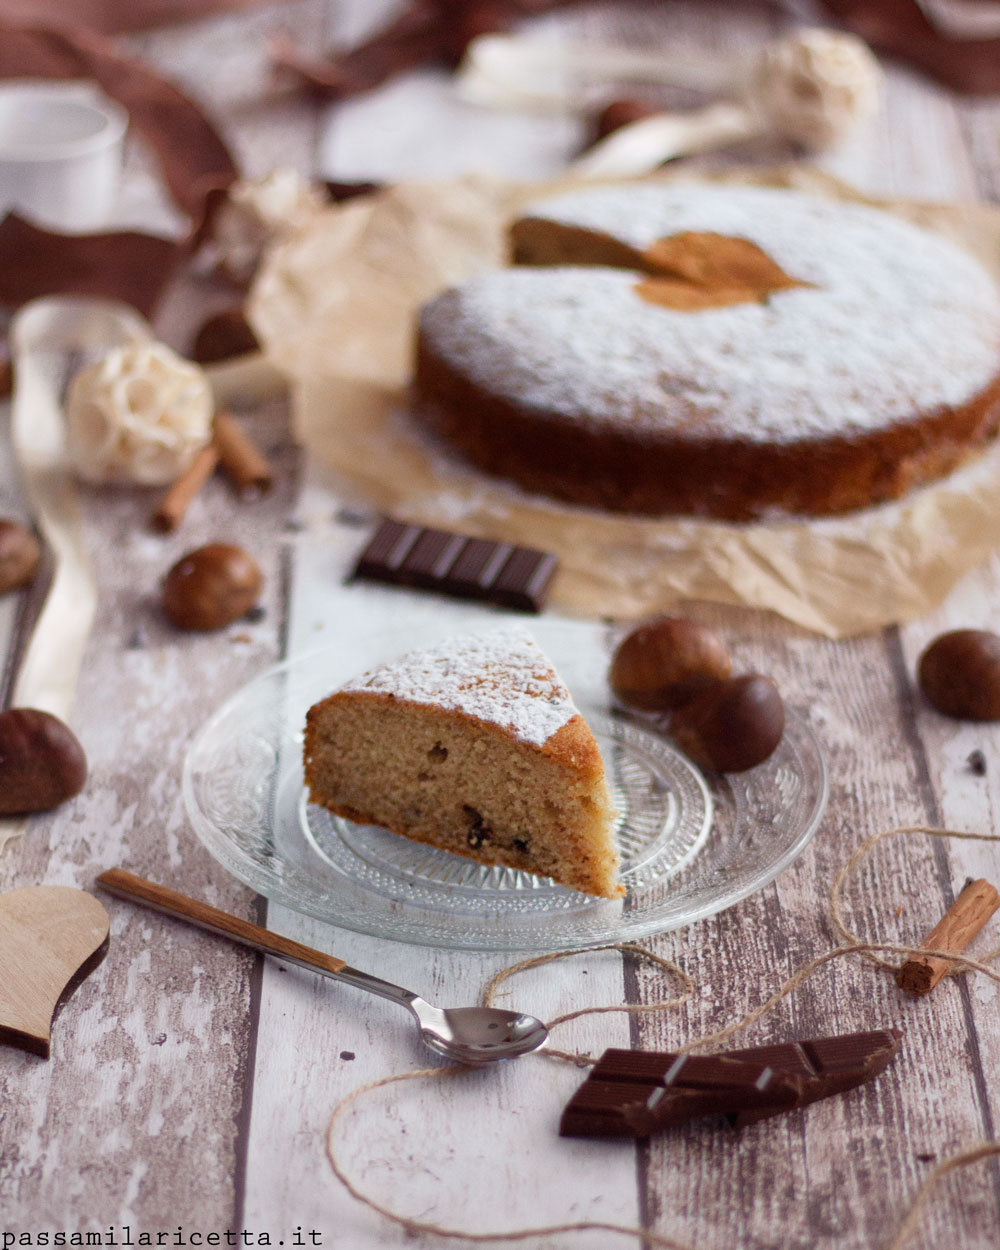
{"x": 159, "y": 898}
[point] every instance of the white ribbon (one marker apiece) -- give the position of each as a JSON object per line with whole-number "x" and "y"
{"x": 519, "y": 71}
{"x": 964, "y": 19}
{"x": 813, "y": 87}
{"x": 50, "y": 339}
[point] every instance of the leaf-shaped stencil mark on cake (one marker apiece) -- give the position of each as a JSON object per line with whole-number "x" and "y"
{"x": 700, "y": 269}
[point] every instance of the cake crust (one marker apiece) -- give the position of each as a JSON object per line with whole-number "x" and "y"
{"x": 726, "y": 479}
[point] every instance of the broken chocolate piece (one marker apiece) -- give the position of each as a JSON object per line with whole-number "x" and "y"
{"x": 466, "y": 568}
{"x": 635, "y": 1093}
{"x": 479, "y": 830}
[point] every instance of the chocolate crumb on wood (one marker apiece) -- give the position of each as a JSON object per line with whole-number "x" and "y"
{"x": 976, "y": 762}
{"x": 960, "y": 924}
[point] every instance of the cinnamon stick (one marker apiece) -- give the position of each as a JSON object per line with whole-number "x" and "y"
{"x": 241, "y": 458}
{"x": 956, "y": 929}
{"x": 175, "y": 503}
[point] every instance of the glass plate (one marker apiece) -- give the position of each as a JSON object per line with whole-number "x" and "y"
{"x": 691, "y": 844}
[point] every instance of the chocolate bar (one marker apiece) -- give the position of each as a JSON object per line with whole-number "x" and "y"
{"x": 634, "y": 1093}
{"x": 467, "y": 568}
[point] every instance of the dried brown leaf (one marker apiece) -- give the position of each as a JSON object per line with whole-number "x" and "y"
{"x": 701, "y": 269}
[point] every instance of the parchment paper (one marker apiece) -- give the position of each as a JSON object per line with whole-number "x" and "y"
{"x": 335, "y": 308}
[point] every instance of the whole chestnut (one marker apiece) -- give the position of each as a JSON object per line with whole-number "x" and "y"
{"x": 19, "y": 556}
{"x": 731, "y": 726}
{"x": 959, "y": 674}
{"x": 226, "y": 335}
{"x": 619, "y": 113}
{"x": 665, "y": 662}
{"x": 211, "y": 587}
{"x": 41, "y": 762}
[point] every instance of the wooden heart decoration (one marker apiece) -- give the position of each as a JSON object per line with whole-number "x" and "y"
{"x": 51, "y": 938}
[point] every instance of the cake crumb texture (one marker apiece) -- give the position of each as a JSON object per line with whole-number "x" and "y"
{"x": 457, "y": 748}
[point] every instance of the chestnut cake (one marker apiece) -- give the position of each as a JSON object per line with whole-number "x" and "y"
{"x": 474, "y": 746}
{"x": 868, "y": 365}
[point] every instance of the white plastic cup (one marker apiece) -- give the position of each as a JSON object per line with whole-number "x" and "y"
{"x": 60, "y": 154}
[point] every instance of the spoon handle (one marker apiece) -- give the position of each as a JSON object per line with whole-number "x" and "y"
{"x": 159, "y": 898}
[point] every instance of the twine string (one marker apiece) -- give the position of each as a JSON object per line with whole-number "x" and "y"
{"x": 632, "y": 948}
{"x": 862, "y": 852}
{"x": 852, "y": 944}
{"x": 962, "y": 1159}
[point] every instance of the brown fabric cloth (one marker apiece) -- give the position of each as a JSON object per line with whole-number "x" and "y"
{"x": 425, "y": 32}
{"x": 438, "y": 31}
{"x": 194, "y": 161}
{"x": 901, "y": 29}
{"x": 124, "y": 265}
{"x": 112, "y": 17}
{"x": 192, "y": 155}
{"x": 897, "y": 27}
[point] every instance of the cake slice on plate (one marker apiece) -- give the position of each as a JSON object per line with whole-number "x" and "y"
{"x": 475, "y": 746}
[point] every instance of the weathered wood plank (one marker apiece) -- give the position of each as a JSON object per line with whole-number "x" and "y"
{"x": 465, "y": 1153}
{"x": 805, "y": 1177}
{"x": 160, "y": 1039}
{"x": 956, "y": 797}
{"x": 149, "y": 1054}
{"x": 814, "y": 1176}
{"x": 150, "y": 1057}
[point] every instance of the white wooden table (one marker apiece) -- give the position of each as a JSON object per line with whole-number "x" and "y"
{"x": 191, "y": 1084}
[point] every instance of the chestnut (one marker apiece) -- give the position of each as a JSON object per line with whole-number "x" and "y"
{"x": 226, "y": 335}
{"x": 664, "y": 662}
{"x": 619, "y": 113}
{"x": 41, "y": 762}
{"x": 20, "y": 554}
{"x": 731, "y": 726}
{"x": 211, "y": 587}
{"x": 959, "y": 674}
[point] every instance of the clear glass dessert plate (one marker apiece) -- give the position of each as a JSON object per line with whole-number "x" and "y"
{"x": 691, "y": 844}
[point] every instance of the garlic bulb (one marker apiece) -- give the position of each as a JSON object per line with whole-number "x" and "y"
{"x": 139, "y": 415}
{"x": 815, "y": 86}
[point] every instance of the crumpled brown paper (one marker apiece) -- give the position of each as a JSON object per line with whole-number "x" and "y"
{"x": 335, "y": 307}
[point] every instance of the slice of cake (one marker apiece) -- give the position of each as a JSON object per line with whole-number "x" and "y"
{"x": 474, "y": 746}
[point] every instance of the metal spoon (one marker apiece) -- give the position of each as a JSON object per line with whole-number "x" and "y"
{"x": 469, "y": 1035}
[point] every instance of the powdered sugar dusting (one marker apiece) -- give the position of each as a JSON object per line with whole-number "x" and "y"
{"x": 502, "y": 677}
{"x": 899, "y": 321}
